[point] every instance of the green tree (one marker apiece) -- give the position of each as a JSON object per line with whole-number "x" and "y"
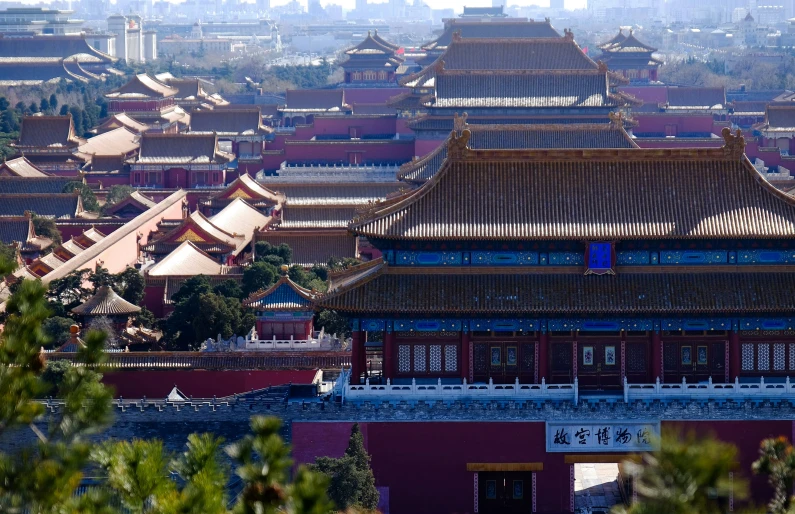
{"x": 53, "y": 102}
{"x": 229, "y": 289}
{"x": 4, "y": 104}
{"x": 54, "y": 373}
{"x": 263, "y": 464}
{"x": 46, "y": 227}
{"x": 687, "y": 475}
{"x": 57, "y": 329}
{"x": 777, "y": 461}
{"x": 282, "y": 251}
{"x": 116, "y": 194}
{"x": 145, "y": 318}
{"x": 90, "y": 202}
{"x": 8, "y": 252}
{"x": 130, "y": 285}
{"x": 64, "y": 110}
{"x": 351, "y": 481}
{"x": 44, "y": 105}
{"x": 259, "y": 275}
{"x": 66, "y": 293}
{"x": 34, "y": 108}
{"x": 333, "y": 323}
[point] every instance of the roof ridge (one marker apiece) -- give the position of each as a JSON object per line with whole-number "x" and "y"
{"x": 305, "y": 293}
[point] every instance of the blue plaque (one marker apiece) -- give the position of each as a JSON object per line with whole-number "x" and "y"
{"x": 599, "y": 258}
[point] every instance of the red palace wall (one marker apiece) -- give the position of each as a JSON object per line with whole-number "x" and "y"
{"x": 684, "y": 123}
{"x": 200, "y": 383}
{"x": 375, "y": 95}
{"x": 386, "y": 151}
{"x": 648, "y": 94}
{"x": 423, "y": 464}
{"x": 364, "y": 126}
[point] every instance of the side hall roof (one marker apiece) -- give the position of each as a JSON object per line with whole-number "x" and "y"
{"x": 21, "y": 167}
{"x": 238, "y": 121}
{"x": 188, "y": 260}
{"x": 34, "y": 185}
{"x": 51, "y": 132}
{"x": 577, "y": 194}
{"x": 181, "y": 149}
{"x": 143, "y": 86}
{"x": 491, "y": 29}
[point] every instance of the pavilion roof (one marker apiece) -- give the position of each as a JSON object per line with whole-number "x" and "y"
{"x": 181, "y": 149}
{"x": 630, "y": 44}
{"x": 188, "y": 260}
{"x": 40, "y": 131}
{"x": 627, "y": 193}
{"x": 106, "y": 302}
{"x": 239, "y": 121}
{"x": 143, "y": 85}
{"x": 122, "y": 120}
{"x": 492, "y": 29}
{"x": 372, "y": 46}
{"x": 34, "y": 185}
{"x": 21, "y": 167}
{"x": 550, "y": 53}
{"x": 603, "y": 135}
{"x": 524, "y": 89}
{"x": 514, "y": 291}
{"x": 618, "y": 38}
{"x": 283, "y": 295}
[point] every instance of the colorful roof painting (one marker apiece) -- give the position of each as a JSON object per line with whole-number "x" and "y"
{"x": 283, "y": 295}
{"x": 199, "y": 230}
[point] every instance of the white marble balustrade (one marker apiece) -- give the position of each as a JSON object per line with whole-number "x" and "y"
{"x": 708, "y": 390}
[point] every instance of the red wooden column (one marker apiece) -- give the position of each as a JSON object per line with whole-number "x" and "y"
{"x": 543, "y": 360}
{"x": 656, "y": 356}
{"x": 735, "y": 355}
{"x": 357, "y": 356}
{"x": 388, "y": 355}
{"x": 465, "y": 343}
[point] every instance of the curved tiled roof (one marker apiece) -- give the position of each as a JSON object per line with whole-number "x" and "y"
{"x": 227, "y": 121}
{"x": 106, "y": 303}
{"x": 240, "y": 218}
{"x": 143, "y": 86}
{"x": 581, "y": 194}
{"x": 283, "y": 295}
{"x": 187, "y": 260}
{"x": 21, "y": 167}
{"x": 522, "y": 136}
{"x": 492, "y": 29}
{"x": 181, "y": 149}
{"x": 48, "y": 132}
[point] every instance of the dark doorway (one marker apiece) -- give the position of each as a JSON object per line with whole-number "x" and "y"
{"x": 504, "y": 361}
{"x": 505, "y": 492}
{"x": 695, "y": 361}
{"x": 599, "y": 363}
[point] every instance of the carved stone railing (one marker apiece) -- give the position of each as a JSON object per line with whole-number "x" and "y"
{"x": 705, "y": 391}
{"x": 464, "y": 391}
{"x": 290, "y": 344}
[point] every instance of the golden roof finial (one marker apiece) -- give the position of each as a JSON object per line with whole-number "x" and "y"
{"x": 460, "y": 122}
{"x": 735, "y": 143}
{"x": 457, "y": 145}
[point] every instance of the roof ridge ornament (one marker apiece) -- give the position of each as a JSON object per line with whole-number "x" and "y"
{"x": 616, "y": 119}
{"x": 457, "y": 148}
{"x": 568, "y": 34}
{"x": 735, "y": 143}
{"x": 602, "y": 66}
{"x": 460, "y": 122}
{"x": 457, "y": 35}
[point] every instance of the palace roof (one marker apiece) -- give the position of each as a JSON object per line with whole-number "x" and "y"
{"x": 313, "y": 246}
{"x": 523, "y": 89}
{"x": 283, "y": 295}
{"x": 39, "y": 131}
{"x": 249, "y": 189}
{"x": 491, "y": 29}
{"x": 106, "y": 303}
{"x": 555, "y": 53}
{"x": 199, "y": 230}
{"x": 188, "y": 260}
{"x": 618, "y": 38}
{"x": 373, "y": 51}
{"x": 62, "y": 205}
{"x": 33, "y": 185}
{"x": 337, "y": 194}
{"x": 445, "y": 123}
{"x": 696, "y": 97}
{"x": 19, "y": 230}
{"x": 21, "y": 167}
{"x": 314, "y": 100}
{"x": 181, "y": 149}
{"x": 103, "y": 164}
{"x": 114, "y": 142}
{"x": 192, "y": 90}
{"x": 136, "y": 200}
{"x": 629, "y": 44}
{"x": 523, "y": 137}
{"x": 778, "y": 118}
{"x": 122, "y": 120}
{"x": 143, "y": 86}
{"x": 311, "y": 216}
{"x": 372, "y": 46}
{"x": 52, "y": 47}
{"x": 376, "y": 287}
{"x": 606, "y": 194}
{"x": 238, "y": 122}
{"x": 240, "y": 218}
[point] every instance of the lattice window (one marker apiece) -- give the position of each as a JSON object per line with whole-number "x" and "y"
{"x": 561, "y": 357}
{"x": 779, "y": 357}
{"x": 481, "y": 352}
{"x": 792, "y": 356}
{"x": 404, "y": 358}
{"x": 450, "y": 357}
{"x": 436, "y": 357}
{"x": 747, "y": 357}
{"x": 763, "y": 357}
{"x": 419, "y": 358}
{"x": 671, "y": 356}
{"x": 636, "y": 358}
{"x": 528, "y": 357}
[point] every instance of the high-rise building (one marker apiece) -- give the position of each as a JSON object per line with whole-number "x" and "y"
{"x": 129, "y": 38}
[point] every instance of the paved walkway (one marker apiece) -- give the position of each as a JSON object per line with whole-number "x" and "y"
{"x": 595, "y": 487}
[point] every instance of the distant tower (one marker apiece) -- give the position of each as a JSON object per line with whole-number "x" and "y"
{"x": 196, "y": 32}
{"x": 117, "y": 25}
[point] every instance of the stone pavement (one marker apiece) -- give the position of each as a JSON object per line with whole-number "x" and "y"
{"x": 595, "y": 487}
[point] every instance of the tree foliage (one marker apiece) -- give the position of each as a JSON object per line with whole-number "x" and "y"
{"x": 45, "y": 227}
{"x": 351, "y": 481}
{"x": 687, "y": 475}
{"x": 117, "y": 194}
{"x": 777, "y": 461}
{"x": 259, "y": 275}
{"x": 90, "y": 202}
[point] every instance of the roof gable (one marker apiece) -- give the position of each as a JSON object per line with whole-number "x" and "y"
{"x": 186, "y": 260}
{"x": 47, "y": 132}
{"x": 283, "y": 295}
{"x": 21, "y": 167}
{"x": 247, "y": 188}
{"x": 143, "y": 86}
{"x": 136, "y": 201}
{"x": 605, "y": 194}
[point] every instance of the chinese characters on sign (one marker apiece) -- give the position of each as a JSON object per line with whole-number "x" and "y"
{"x": 609, "y": 436}
{"x": 599, "y": 258}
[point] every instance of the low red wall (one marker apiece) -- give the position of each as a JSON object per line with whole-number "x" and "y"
{"x": 155, "y": 384}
